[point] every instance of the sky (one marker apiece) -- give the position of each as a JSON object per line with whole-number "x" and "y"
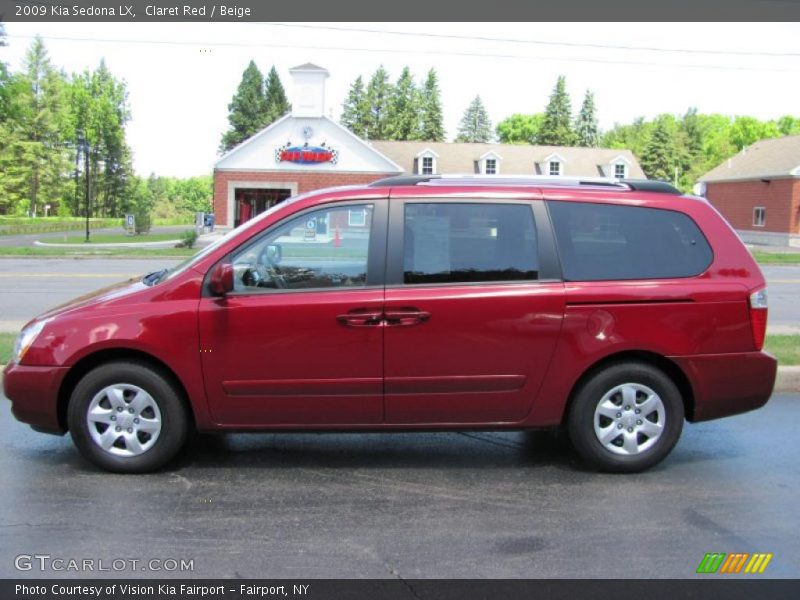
{"x": 181, "y": 76}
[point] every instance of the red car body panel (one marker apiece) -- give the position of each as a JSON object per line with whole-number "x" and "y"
{"x": 490, "y": 355}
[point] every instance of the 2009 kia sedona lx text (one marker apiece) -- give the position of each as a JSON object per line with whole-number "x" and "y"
{"x": 614, "y": 309}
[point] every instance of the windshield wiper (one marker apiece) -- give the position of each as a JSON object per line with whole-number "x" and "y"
{"x": 154, "y": 277}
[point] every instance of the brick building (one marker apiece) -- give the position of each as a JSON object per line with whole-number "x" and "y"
{"x": 758, "y": 191}
{"x": 305, "y": 150}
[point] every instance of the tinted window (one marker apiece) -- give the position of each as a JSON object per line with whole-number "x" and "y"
{"x": 606, "y": 241}
{"x": 320, "y": 249}
{"x": 451, "y": 243}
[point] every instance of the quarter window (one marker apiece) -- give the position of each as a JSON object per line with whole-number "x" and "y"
{"x": 610, "y": 242}
{"x": 759, "y": 216}
{"x": 455, "y": 243}
{"x": 326, "y": 248}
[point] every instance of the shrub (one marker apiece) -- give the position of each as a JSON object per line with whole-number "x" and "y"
{"x": 143, "y": 223}
{"x": 188, "y": 238}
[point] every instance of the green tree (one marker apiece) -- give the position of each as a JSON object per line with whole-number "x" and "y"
{"x": 557, "y": 126}
{"x": 355, "y": 109}
{"x": 520, "y": 129}
{"x": 276, "y": 102}
{"x": 747, "y": 130}
{"x": 587, "y": 131}
{"x": 248, "y": 110}
{"x": 475, "y": 125}
{"x": 403, "y": 122}
{"x": 379, "y": 93}
{"x": 660, "y": 156}
{"x": 432, "y": 120}
{"x": 788, "y": 125}
{"x": 35, "y": 159}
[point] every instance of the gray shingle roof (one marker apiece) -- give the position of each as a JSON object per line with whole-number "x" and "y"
{"x": 460, "y": 158}
{"x": 778, "y": 157}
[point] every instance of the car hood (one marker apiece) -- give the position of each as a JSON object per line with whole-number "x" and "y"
{"x": 111, "y": 293}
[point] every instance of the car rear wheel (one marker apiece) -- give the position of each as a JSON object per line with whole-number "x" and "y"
{"x": 127, "y": 417}
{"x": 626, "y": 418}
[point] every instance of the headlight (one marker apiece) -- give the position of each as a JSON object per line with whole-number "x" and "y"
{"x": 26, "y": 338}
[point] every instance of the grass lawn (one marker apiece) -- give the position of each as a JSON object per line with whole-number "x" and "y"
{"x": 111, "y": 238}
{"x": 97, "y": 252}
{"x": 6, "y": 346}
{"x": 785, "y": 347}
{"x": 774, "y": 258}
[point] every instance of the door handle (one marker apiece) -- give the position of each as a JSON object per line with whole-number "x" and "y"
{"x": 361, "y": 317}
{"x": 404, "y": 317}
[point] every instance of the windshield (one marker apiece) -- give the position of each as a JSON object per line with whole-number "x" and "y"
{"x": 166, "y": 274}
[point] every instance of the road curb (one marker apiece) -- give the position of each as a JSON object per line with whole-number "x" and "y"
{"x": 787, "y": 380}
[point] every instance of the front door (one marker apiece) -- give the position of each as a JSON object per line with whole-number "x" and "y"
{"x": 298, "y": 342}
{"x": 473, "y": 311}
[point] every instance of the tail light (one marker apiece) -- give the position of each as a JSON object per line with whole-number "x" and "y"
{"x": 758, "y": 317}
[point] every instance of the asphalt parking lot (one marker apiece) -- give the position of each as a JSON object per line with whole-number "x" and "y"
{"x": 410, "y": 505}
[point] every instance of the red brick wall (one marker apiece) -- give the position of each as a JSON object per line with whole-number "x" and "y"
{"x": 737, "y": 199}
{"x": 306, "y": 182}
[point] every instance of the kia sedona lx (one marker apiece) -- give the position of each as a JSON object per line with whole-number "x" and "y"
{"x": 612, "y": 309}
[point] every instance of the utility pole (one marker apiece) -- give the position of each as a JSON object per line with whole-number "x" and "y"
{"x": 86, "y": 148}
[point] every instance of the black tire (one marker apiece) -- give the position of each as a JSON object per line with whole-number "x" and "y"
{"x": 581, "y": 419}
{"x": 173, "y": 416}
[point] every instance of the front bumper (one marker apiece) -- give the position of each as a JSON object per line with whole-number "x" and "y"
{"x": 728, "y": 384}
{"x": 33, "y": 392}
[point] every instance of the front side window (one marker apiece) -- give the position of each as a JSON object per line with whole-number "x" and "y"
{"x": 427, "y": 165}
{"x": 619, "y": 171}
{"x": 455, "y": 243}
{"x": 759, "y": 216}
{"x": 555, "y": 168}
{"x": 490, "y": 167}
{"x": 327, "y": 248}
{"x": 599, "y": 242}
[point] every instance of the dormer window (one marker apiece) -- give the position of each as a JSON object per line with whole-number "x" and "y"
{"x": 489, "y": 163}
{"x": 554, "y": 168}
{"x": 620, "y": 170}
{"x": 426, "y": 162}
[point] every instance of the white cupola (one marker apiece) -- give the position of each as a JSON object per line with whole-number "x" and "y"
{"x": 308, "y": 96}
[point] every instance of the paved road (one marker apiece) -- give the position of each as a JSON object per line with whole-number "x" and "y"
{"x": 28, "y": 287}
{"x": 412, "y": 505}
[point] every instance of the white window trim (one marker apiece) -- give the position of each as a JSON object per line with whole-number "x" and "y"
{"x": 491, "y": 155}
{"x": 550, "y": 164}
{"x": 764, "y": 214}
{"x": 421, "y": 165}
{"x": 363, "y": 218}
{"x": 624, "y": 170}
{"x": 486, "y": 166}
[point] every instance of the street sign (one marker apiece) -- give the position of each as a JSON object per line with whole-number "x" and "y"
{"x": 130, "y": 224}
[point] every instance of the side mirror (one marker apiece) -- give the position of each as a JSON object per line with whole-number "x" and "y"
{"x": 221, "y": 279}
{"x": 274, "y": 253}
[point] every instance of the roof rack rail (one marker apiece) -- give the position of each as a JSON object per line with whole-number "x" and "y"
{"x": 403, "y": 180}
{"x": 643, "y": 185}
{"x": 651, "y": 185}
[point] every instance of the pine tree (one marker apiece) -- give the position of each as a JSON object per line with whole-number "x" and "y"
{"x": 586, "y": 129}
{"x": 403, "y": 122}
{"x": 379, "y": 92}
{"x": 557, "y": 126}
{"x": 475, "y": 125}
{"x": 247, "y": 112}
{"x": 355, "y": 109}
{"x": 431, "y": 126}
{"x": 275, "y": 98}
{"x": 659, "y": 158}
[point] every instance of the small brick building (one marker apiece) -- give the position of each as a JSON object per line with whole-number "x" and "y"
{"x": 758, "y": 191}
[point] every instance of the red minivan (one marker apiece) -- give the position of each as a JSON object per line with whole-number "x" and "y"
{"x": 614, "y": 309}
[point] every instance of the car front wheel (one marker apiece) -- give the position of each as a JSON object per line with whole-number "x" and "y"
{"x": 127, "y": 417}
{"x": 626, "y": 418}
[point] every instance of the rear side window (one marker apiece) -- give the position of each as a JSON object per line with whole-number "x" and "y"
{"x": 455, "y": 243}
{"x": 606, "y": 241}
